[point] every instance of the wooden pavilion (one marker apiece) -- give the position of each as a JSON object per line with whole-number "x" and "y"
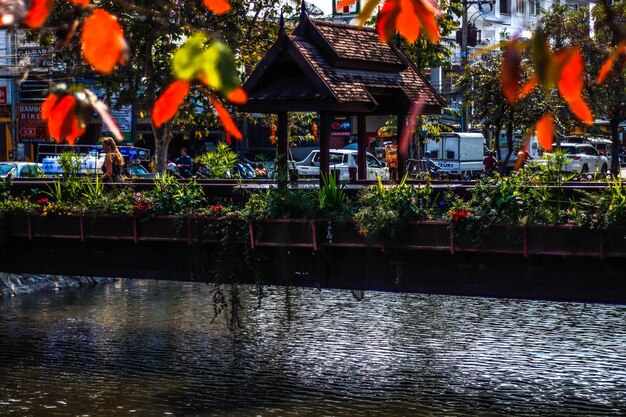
{"x": 336, "y": 69}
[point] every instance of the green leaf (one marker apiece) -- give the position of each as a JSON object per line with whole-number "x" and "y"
{"x": 219, "y": 67}
{"x": 189, "y": 58}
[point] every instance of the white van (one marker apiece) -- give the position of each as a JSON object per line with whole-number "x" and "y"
{"x": 458, "y": 154}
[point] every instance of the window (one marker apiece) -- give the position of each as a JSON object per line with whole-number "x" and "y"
{"x": 521, "y": 6}
{"x": 505, "y": 7}
{"x": 572, "y": 6}
{"x": 372, "y": 162}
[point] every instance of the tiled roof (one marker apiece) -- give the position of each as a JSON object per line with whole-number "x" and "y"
{"x": 347, "y": 64}
{"x": 353, "y": 42}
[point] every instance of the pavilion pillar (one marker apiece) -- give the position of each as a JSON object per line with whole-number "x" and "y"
{"x": 324, "y": 145}
{"x": 283, "y": 146}
{"x": 403, "y": 148}
{"x": 362, "y": 146}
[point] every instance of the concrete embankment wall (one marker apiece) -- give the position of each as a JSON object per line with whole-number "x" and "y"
{"x": 16, "y": 284}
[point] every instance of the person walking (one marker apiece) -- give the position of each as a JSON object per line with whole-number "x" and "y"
{"x": 113, "y": 161}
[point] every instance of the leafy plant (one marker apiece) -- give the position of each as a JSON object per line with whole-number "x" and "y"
{"x": 219, "y": 162}
{"x": 332, "y": 199}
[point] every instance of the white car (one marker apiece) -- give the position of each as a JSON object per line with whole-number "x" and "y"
{"x": 341, "y": 160}
{"x": 582, "y": 158}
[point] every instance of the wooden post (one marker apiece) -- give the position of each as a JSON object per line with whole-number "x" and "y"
{"x": 362, "y": 146}
{"x": 402, "y": 150}
{"x": 283, "y": 147}
{"x": 324, "y": 145}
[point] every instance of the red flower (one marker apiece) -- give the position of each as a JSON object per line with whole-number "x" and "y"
{"x": 459, "y": 214}
{"x": 42, "y": 201}
{"x": 217, "y": 209}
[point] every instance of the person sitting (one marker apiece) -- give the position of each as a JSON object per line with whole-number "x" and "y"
{"x": 490, "y": 163}
{"x": 431, "y": 167}
{"x": 113, "y": 161}
{"x": 184, "y": 163}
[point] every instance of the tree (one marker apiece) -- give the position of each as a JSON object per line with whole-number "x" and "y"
{"x": 154, "y": 30}
{"x": 490, "y": 107}
{"x": 567, "y": 28}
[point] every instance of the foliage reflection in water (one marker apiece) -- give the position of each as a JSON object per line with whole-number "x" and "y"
{"x": 148, "y": 348}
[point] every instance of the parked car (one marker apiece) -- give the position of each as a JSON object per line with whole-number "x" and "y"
{"x": 341, "y": 160}
{"x": 137, "y": 171}
{"x": 583, "y": 158}
{"x": 20, "y": 170}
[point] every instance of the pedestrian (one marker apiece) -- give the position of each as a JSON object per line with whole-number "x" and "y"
{"x": 490, "y": 163}
{"x": 431, "y": 167}
{"x": 184, "y": 163}
{"x": 113, "y": 161}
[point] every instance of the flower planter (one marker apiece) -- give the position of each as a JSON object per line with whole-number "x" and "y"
{"x": 58, "y": 227}
{"x": 615, "y": 242}
{"x": 495, "y": 238}
{"x": 564, "y": 240}
{"x": 283, "y": 232}
{"x": 164, "y": 228}
{"x": 17, "y": 225}
{"x": 109, "y": 227}
{"x": 341, "y": 234}
{"x": 427, "y": 235}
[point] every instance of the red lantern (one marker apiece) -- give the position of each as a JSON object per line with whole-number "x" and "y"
{"x": 272, "y": 130}
{"x": 314, "y": 130}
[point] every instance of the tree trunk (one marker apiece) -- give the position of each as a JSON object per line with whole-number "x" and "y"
{"x": 509, "y": 144}
{"x": 162, "y": 138}
{"x": 496, "y": 138}
{"x": 614, "y": 126}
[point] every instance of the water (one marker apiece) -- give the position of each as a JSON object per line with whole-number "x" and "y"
{"x": 146, "y": 348}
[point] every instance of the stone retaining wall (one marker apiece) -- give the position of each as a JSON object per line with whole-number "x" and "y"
{"x": 16, "y": 284}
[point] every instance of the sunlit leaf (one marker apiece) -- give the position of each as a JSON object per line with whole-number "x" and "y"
{"x": 409, "y": 18}
{"x": 545, "y": 131}
{"x": 414, "y": 113}
{"x": 608, "y": 64}
{"x": 367, "y": 10}
{"x": 546, "y": 67}
{"x": 510, "y": 71}
{"x": 581, "y": 110}
{"x": 217, "y": 6}
{"x": 237, "y": 96}
{"x": 229, "y": 125}
{"x": 166, "y": 106}
{"x": 38, "y": 13}
{"x": 571, "y": 82}
{"x": 62, "y": 116}
{"x": 103, "y": 42}
{"x": 188, "y": 59}
{"x": 219, "y": 69}
{"x": 528, "y": 87}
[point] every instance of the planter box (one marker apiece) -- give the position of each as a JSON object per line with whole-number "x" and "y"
{"x": 164, "y": 228}
{"x": 283, "y": 232}
{"x": 496, "y": 238}
{"x": 564, "y": 240}
{"x": 17, "y": 225}
{"x": 433, "y": 235}
{"x": 109, "y": 227}
{"x": 58, "y": 227}
{"x": 615, "y": 242}
{"x": 341, "y": 234}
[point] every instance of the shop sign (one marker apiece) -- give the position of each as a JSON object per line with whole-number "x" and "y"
{"x": 31, "y": 129}
{"x": 341, "y": 126}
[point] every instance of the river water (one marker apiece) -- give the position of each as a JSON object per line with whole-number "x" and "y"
{"x": 147, "y": 348}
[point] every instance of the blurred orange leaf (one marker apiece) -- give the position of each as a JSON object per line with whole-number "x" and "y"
{"x": 409, "y": 18}
{"x": 510, "y": 71}
{"x": 571, "y": 84}
{"x": 217, "y": 6}
{"x": 545, "y": 131}
{"x": 237, "y": 96}
{"x": 528, "y": 87}
{"x": 608, "y": 64}
{"x": 103, "y": 41}
{"x": 169, "y": 101}
{"x": 63, "y": 122}
{"x": 38, "y": 13}
{"x": 227, "y": 121}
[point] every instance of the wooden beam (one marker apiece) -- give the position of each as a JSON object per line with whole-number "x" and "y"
{"x": 283, "y": 145}
{"x": 362, "y": 145}
{"x": 402, "y": 150}
{"x": 324, "y": 144}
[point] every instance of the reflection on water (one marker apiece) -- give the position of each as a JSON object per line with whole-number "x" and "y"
{"x": 146, "y": 348}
